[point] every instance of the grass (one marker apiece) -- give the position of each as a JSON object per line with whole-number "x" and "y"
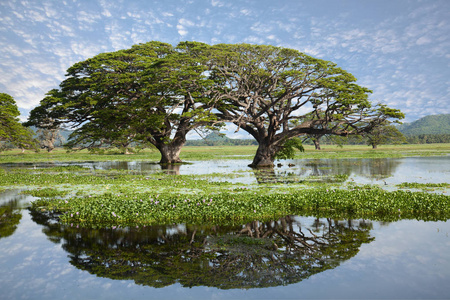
{"x": 230, "y": 152}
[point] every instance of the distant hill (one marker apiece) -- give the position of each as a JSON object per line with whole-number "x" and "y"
{"x": 64, "y": 133}
{"x": 433, "y": 124}
{"x": 215, "y": 139}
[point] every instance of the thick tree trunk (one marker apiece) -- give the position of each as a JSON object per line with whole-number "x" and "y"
{"x": 170, "y": 153}
{"x": 374, "y": 146}
{"x": 264, "y": 157}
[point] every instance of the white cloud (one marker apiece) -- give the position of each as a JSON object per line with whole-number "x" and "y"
{"x": 254, "y": 40}
{"x": 87, "y": 17}
{"x": 217, "y": 3}
{"x": 181, "y": 30}
{"x": 245, "y": 12}
{"x": 182, "y": 26}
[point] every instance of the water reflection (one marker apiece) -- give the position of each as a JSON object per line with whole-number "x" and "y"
{"x": 10, "y": 212}
{"x": 299, "y": 170}
{"x": 253, "y": 255}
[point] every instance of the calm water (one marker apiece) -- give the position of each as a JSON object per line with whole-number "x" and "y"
{"x": 299, "y": 257}
{"x": 366, "y": 171}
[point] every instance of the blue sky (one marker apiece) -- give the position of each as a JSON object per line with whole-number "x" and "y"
{"x": 398, "y": 48}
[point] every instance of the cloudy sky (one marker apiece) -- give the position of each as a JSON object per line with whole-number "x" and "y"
{"x": 398, "y": 48}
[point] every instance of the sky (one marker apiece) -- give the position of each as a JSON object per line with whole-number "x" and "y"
{"x": 400, "y": 49}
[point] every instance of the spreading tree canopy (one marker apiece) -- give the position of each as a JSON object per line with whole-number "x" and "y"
{"x": 156, "y": 93}
{"x": 267, "y": 90}
{"x": 11, "y": 130}
{"x": 152, "y": 93}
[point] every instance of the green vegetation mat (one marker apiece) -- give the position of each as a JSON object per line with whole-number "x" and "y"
{"x": 114, "y": 198}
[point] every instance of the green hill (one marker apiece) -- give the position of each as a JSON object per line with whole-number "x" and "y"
{"x": 433, "y": 124}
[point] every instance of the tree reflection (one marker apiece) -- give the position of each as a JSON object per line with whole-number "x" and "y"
{"x": 10, "y": 215}
{"x": 329, "y": 170}
{"x": 257, "y": 254}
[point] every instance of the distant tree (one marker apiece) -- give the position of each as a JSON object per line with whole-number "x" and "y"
{"x": 49, "y": 138}
{"x": 265, "y": 88}
{"x": 11, "y": 130}
{"x": 385, "y": 133}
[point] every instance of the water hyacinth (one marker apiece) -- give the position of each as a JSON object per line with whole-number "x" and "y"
{"x": 102, "y": 199}
{"x": 231, "y": 207}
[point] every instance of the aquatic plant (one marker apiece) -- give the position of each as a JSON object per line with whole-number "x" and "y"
{"x": 230, "y": 207}
{"x": 46, "y": 192}
{"x": 415, "y": 185}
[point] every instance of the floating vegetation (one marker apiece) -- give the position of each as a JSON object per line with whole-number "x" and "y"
{"x": 415, "y": 185}
{"x": 229, "y": 207}
{"x": 90, "y": 197}
{"x": 46, "y": 192}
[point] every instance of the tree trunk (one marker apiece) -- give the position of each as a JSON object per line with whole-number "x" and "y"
{"x": 374, "y": 146}
{"x": 264, "y": 157}
{"x": 170, "y": 153}
{"x": 316, "y": 144}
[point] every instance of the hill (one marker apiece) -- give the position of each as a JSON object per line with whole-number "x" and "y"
{"x": 215, "y": 139}
{"x": 433, "y": 124}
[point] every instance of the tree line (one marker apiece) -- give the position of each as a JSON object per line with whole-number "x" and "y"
{"x": 155, "y": 93}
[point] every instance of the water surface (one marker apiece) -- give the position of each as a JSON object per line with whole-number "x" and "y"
{"x": 289, "y": 258}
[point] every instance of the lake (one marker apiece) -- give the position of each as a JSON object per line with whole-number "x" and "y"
{"x": 292, "y": 257}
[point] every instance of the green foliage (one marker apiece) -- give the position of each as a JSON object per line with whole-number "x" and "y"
{"x": 156, "y": 93}
{"x": 289, "y": 148}
{"x": 242, "y": 206}
{"x": 151, "y": 93}
{"x": 264, "y": 88}
{"x": 11, "y": 130}
{"x": 384, "y": 133}
{"x": 428, "y": 138}
{"x": 416, "y": 185}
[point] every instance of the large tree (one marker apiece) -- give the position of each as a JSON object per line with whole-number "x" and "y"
{"x": 267, "y": 89}
{"x": 11, "y": 130}
{"x": 152, "y": 93}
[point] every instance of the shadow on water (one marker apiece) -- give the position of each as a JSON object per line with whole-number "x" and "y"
{"x": 252, "y": 255}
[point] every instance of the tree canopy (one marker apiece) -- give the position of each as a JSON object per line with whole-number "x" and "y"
{"x": 152, "y": 93}
{"x": 384, "y": 133}
{"x": 11, "y": 129}
{"x": 157, "y": 93}
{"x": 267, "y": 88}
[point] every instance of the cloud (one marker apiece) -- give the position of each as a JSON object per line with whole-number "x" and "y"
{"x": 383, "y": 50}
{"x": 217, "y": 3}
{"x": 183, "y": 25}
